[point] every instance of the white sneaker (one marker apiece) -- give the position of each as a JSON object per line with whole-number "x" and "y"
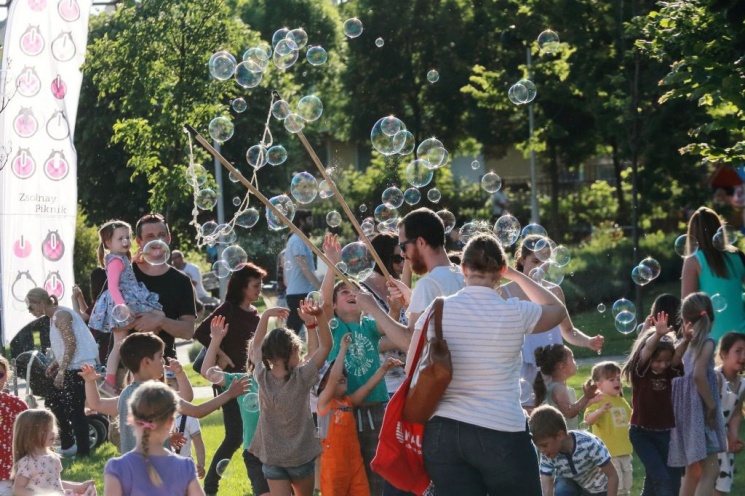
{"x": 72, "y": 450}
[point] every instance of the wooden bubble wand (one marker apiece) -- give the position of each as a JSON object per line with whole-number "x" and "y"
{"x": 254, "y": 191}
{"x": 341, "y": 200}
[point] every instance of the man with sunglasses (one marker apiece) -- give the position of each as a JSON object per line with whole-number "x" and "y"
{"x": 174, "y": 289}
{"x": 421, "y": 236}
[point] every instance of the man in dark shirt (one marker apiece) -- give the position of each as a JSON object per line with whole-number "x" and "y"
{"x": 173, "y": 288}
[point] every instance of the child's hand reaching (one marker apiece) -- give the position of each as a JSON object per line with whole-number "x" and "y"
{"x": 660, "y": 324}
{"x": 218, "y": 328}
{"x": 390, "y": 363}
{"x": 346, "y": 341}
{"x": 310, "y": 308}
{"x": 174, "y": 366}
{"x": 332, "y": 248}
{"x": 239, "y": 387}
{"x": 277, "y": 312}
{"x": 590, "y": 390}
{"x": 88, "y": 373}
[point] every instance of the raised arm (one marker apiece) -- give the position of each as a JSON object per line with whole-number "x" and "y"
{"x": 218, "y": 330}
{"x": 261, "y": 329}
{"x": 236, "y": 388}
{"x": 649, "y": 347}
{"x": 358, "y": 397}
{"x": 311, "y": 325}
{"x": 332, "y": 250}
{"x": 324, "y": 399}
{"x": 325, "y": 341}
{"x": 185, "y": 391}
{"x": 571, "y": 334}
{"x": 398, "y": 333}
{"x": 107, "y": 406}
{"x": 553, "y": 310}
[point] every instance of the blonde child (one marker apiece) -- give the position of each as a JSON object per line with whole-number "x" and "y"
{"x": 557, "y": 362}
{"x": 731, "y": 393}
{"x": 699, "y": 432}
{"x": 150, "y": 468}
{"x": 285, "y": 439}
{"x": 36, "y": 468}
{"x": 10, "y": 407}
{"x": 652, "y": 365}
{"x": 124, "y": 297}
{"x": 609, "y": 415}
{"x": 342, "y": 466}
{"x": 248, "y": 406}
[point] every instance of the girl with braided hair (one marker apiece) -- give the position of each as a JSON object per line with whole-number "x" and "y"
{"x": 557, "y": 362}
{"x": 150, "y": 468}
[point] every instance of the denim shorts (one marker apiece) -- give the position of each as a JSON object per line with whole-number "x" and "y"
{"x": 273, "y": 472}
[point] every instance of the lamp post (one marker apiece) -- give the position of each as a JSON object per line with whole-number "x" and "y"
{"x": 220, "y": 215}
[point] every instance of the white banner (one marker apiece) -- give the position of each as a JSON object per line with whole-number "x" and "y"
{"x": 45, "y": 43}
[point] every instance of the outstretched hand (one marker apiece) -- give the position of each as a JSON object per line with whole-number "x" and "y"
{"x": 660, "y": 324}
{"x": 332, "y": 248}
{"x": 310, "y": 307}
{"x": 88, "y": 373}
{"x": 218, "y": 328}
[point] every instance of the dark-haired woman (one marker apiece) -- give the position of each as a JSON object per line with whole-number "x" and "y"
{"x": 477, "y": 442}
{"x": 715, "y": 268}
{"x": 244, "y": 288}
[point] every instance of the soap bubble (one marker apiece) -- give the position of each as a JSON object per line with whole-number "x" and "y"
{"x": 388, "y": 226}
{"x": 342, "y": 267}
{"x": 358, "y": 260}
{"x": 448, "y": 219}
{"x": 368, "y": 227}
{"x": 686, "y": 246}
{"x": 433, "y": 76}
{"x": 601, "y": 307}
{"x": 297, "y": 38}
{"x": 288, "y": 265}
{"x": 641, "y": 275}
{"x": 507, "y": 230}
{"x": 529, "y": 88}
{"x": 121, "y": 313}
{"x": 279, "y": 35}
{"x": 719, "y": 303}
{"x": 205, "y": 199}
{"x": 222, "y": 65}
{"x": 316, "y": 55}
{"x": 625, "y": 322}
{"x": 248, "y": 218}
{"x": 363, "y": 208}
{"x": 491, "y": 182}
{"x": 309, "y": 108}
{"x": 333, "y": 218}
{"x": 285, "y": 207}
{"x": 222, "y": 467}
{"x": 725, "y": 236}
{"x": 353, "y": 27}
{"x": 196, "y": 173}
{"x": 561, "y": 256}
{"x": 276, "y": 155}
{"x": 235, "y": 256}
{"x": 623, "y": 305}
{"x": 315, "y": 297}
{"x": 475, "y": 164}
{"x": 518, "y": 94}
{"x": 258, "y": 57}
{"x": 280, "y": 109}
{"x": 294, "y": 123}
{"x": 156, "y": 252}
{"x": 215, "y": 375}
{"x": 548, "y": 41}
{"x": 412, "y": 196}
{"x": 419, "y": 173}
{"x": 388, "y": 144}
{"x": 324, "y": 190}
{"x": 653, "y": 265}
{"x": 236, "y": 201}
{"x": 432, "y": 151}
{"x": 543, "y": 248}
{"x": 239, "y": 105}
{"x": 384, "y": 213}
{"x": 247, "y": 76}
{"x": 470, "y": 229}
{"x": 434, "y": 195}
{"x": 221, "y": 269}
{"x": 256, "y": 156}
{"x": 304, "y": 187}
{"x": 393, "y": 197}
{"x": 533, "y": 228}
{"x": 209, "y": 228}
{"x": 553, "y": 274}
{"x": 379, "y": 42}
{"x": 221, "y": 129}
{"x": 284, "y": 56}
{"x": 251, "y": 402}
{"x": 228, "y": 235}
{"x": 409, "y": 142}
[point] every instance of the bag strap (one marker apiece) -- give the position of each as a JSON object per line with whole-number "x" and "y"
{"x": 420, "y": 346}
{"x": 181, "y": 428}
{"x": 439, "y": 303}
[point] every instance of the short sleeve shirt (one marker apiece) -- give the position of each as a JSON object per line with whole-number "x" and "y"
{"x": 191, "y": 429}
{"x": 130, "y": 470}
{"x": 652, "y": 399}
{"x": 10, "y": 407}
{"x": 297, "y": 283}
{"x": 582, "y": 465}
{"x": 127, "y": 440}
{"x": 43, "y": 473}
{"x": 362, "y": 359}
{"x": 440, "y": 281}
{"x": 249, "y": 418}
{"x": 613, "y": 426}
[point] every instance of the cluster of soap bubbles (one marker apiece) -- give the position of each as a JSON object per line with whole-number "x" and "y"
{"x": 523, "y": 91}
{"x": 647, "y": 271}
{"x": 389, "y": 136}
{"x": 686, "y": 246}
{"x": 308, "y": 109}
{"x": 624, "y": 315}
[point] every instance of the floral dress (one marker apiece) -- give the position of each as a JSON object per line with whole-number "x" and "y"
{"x": 43, "y": 473}
{"x": 729, "y": 395}
{"x": 135, "y": 294}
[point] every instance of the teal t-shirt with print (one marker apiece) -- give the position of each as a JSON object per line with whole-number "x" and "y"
{"x": 363, "y": 359}
{"x": 250, "y": 419}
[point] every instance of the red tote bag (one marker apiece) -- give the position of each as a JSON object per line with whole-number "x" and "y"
{"x": 398, "y": 458}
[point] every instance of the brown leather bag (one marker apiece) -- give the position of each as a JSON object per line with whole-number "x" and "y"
{"x": 433, "y": 374}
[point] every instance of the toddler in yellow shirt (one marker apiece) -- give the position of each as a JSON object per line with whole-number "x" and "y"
{"x": 609, "y": 414}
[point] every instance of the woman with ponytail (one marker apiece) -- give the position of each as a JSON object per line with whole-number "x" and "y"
{"x": 151, "y": 469}
{"x": 699, "y": 432}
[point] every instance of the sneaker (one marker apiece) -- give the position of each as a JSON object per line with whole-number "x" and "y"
{"x": 109, "y": 390}
{"x": 72, "y": 450}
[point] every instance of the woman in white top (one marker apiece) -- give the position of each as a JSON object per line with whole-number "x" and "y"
{"x": 73, "y": 346}
{"x": 477, "y": 442}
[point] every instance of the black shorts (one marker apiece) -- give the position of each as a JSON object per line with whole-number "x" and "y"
{"x": 259, "y": 485}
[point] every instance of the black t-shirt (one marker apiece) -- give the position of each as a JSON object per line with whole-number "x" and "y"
{"x": 177, "y": 296}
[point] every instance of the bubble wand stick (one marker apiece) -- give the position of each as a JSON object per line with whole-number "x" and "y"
{"x": 254, "y": 191}
{"x": 343, "y": 203}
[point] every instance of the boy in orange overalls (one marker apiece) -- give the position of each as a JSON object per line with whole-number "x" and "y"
{"x": 342, "y": 467}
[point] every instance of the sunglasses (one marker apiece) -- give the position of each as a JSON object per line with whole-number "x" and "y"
{"x": 402, "y": 246}
{"x": 397, "y": 259}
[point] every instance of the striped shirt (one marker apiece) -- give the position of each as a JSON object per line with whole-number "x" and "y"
{"x": 583, "y": 466}
{"x": 485, "y": 335}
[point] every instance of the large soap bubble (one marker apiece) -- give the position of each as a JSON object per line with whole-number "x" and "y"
{"x": 507, "y": 230}
{"x": 623, "y": 305}
{"x": 686, "y": 246}
{"x": 294, "y": 123}
{"x": 235, "y": 257}
{"x": 433, "y": 151}
{"x": 297, "y": 38}
{"x": 357, "y": 259}
{"x": 248, "y": 218}
{"x": 276, "y": 155}
{"x": 285, "y": 207}
{"x": 353, "y": 27}
{"x": 205, "y": 199}
{"x": 653, "y": 266}
{"x": 284, "y": 56}
{"x": 448, "y": 219}
{"x": 393, "y": 197}
{"x": 222, "y": 65}
{"x": 333, "y": 219}
{"x": 247, "y": 75}
{"x": 385, "y": 213}
{"x": 382, "y": 138}
{"x": 316, "y": 55}
{"x": 239, "y": 105}
{"x": 310, "y": 108}
{"x": 258, "y": 57}
{"x": 121, "y": 313}
{"x": 304, "y": 187}
{"x": 434, "y": 195}
{"x": 433, "y": 76}
{"x": 419, "y": 173}
{"x": 412, "y": 196}
{"x": 280, "y": 109}
{"x": 221, "y": 129}
{"x": 156, "y": 252}
{"x": 491, "y": 182}
{"x": 548, "y": 41}
{"x": 256, "y": 156}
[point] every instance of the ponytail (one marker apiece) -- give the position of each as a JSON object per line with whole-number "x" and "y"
{"x": 151, "y": 470}
{"x": 697, "y": 310}
{"x": 539, "y": 389}
{"x": 547, "y": 358}
{"x": 100, "y": 254}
